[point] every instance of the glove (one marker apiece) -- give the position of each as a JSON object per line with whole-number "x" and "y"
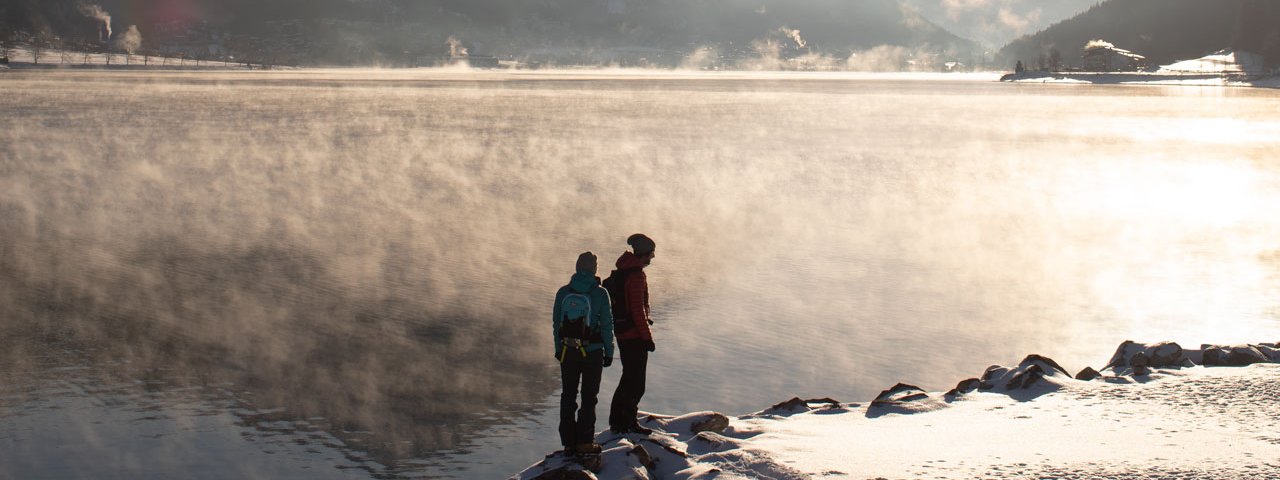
{"x": 607, "y": 361}
{"x": 651, "y": 346}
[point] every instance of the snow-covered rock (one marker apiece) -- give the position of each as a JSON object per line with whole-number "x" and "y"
{"x": 1087, "y": 374}
{"x": 795, "y": 405}
{"x": 1133, "y": 358}
{"x": 1031, "y": 418}
{"x": 1035, "y": 370}
{"x": 904, "y": 399}
{"x": 1233, "y": 355}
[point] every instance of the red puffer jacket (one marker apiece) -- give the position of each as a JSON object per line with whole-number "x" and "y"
{"x": 637, "y": 288}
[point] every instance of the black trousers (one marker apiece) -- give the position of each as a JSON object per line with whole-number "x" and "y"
{"x": 582, "y": 427}
{"x": 626, "y": 399}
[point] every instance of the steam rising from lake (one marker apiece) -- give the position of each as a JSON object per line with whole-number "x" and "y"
{"x": 380, "y": 249}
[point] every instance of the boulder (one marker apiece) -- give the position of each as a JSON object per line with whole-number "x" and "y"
{"x": 694, "y": 422}
{"x": 1088, "y": 374}
{"x": 1131, "y": 354}
{"x": 712, "y": 442}
{"x": 712, "y": 423}
{"x": 965, "y": 386}
{"x": 899, "y": 394}
{"x": 643, "y": 457}
{"x": 795, "y": 404}
{"x": 1233, "y": 356}
{"x": 1029, "y": 372}
{"x": 567, "y": 472}
{"x": 1270, "y": 350}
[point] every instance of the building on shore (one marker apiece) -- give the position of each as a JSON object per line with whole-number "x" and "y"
{"x": 1100, "y": 56}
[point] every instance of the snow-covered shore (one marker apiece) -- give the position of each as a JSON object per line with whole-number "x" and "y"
{"x": 1224, "y": 68}
{"x": 1143, "y": 78}
{"x": 1154, "y": 411}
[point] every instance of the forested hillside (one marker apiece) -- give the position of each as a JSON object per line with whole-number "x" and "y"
{"x": 1162, "y": 30}
{"x": 393, "y": 31}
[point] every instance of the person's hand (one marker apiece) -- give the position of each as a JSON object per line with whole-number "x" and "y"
{"x": 558, "y": 359}
{"x": 607, "y": 361}
{"x": 651, "y": 346}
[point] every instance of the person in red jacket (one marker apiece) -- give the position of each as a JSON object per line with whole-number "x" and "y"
{"x": 631, "y": 327}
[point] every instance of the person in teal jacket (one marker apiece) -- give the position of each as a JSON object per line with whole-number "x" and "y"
{"x": 583, "y": 336}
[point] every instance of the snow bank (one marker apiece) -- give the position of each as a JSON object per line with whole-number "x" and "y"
{"x": 1227, "y": 62}
{"x": 1154, "y": 411}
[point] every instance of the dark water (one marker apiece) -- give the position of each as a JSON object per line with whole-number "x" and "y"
{"x": 349, "y": 273}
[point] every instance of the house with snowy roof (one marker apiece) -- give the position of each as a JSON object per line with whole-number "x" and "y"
{"x": 1102, "y": 56}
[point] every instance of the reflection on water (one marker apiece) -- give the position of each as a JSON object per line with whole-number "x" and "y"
{"x": 370, "y": 257}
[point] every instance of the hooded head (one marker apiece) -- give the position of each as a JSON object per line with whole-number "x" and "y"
{"x": 586, "y": 263}
{"x": 641, "y": 244}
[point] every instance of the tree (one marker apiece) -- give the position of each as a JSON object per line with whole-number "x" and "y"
{"x": 37, "y": 44}
{"x": 1055, "y": 59}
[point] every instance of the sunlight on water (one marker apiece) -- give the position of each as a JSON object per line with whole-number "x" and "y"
{"x": 378, "y": 250}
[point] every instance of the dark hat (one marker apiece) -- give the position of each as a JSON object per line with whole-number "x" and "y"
{"x": 641, "y": 244}
{"x": 586, "y": 263}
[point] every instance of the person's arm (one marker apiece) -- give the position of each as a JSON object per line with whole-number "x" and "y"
{"x": 638, "y": 303}
{"x": 605, "y": 317}
{"x": 555, "y": 322}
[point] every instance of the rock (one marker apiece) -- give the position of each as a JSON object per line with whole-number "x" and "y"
{"x": 696, "y": 422}
{"x": 1088, "y": 374}
{"x": 965, "y": 386}
{"x": 1141, "y": 371}
{"x": 899, "y": 394}
{"x": 1156, "y": 355}
{"x": 1025, "y": 378}
{"x": 643, "y": 457}
{"x": 795, "y": 404}
{"x": 713, "y": 423}
{"x": 1270, "y": 351}
{"x": 1233, "y": 356}
{"x": 1138, "y": 360}
{"x": 992, "y": 372}
{"x": 1029, "y": 372}
{"x": 1164, "y": 354}
{"x": 1046, "y": 361}
{"x": 567, "y": 472}
{"x": 712, "y": 442}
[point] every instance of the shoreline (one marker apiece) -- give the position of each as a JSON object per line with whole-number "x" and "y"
{"x": 1144, "y": 78}
{"x": 1152, "y": 408}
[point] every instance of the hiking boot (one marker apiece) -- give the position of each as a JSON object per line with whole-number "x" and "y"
{"x": 636, "y": 428}
{"x": 591, "y": 448}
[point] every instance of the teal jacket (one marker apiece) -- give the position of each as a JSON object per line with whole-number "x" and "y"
{"x": 601, "y": 311}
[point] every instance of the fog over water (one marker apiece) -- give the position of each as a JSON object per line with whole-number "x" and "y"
{"x": 359, "y": 265}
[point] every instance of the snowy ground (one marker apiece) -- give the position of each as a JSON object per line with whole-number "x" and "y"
{"x": 1224, "y": 68}
{"x": 1130, "y": 423}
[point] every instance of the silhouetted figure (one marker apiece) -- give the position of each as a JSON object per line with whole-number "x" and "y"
{"x": 629, "y": 289}
{"x": 582, "y": 325}
{"x": 1019, "y": 68}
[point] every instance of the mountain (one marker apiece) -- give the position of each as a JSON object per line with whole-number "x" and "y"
{"x": 997, "y": 23}
{"x": 658, "y": 32}
{"x": 1162, "y": 30}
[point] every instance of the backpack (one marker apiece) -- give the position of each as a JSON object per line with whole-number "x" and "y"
{"x": 616, "y": 284}
{"x": 575, "y": 323}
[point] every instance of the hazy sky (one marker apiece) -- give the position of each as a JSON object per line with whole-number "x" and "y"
{"x": 996, "y": 22}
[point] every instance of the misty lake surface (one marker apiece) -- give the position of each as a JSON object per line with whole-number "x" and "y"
{"x": 320, "y": 274}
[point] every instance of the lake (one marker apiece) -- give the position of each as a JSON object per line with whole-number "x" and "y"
{"x": 349, "y": 273}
